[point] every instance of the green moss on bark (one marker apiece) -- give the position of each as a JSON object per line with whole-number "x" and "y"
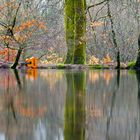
{"x": 80, "y": 30}
{"x": 75, "y": 26}
{"x": 69, "y": 29}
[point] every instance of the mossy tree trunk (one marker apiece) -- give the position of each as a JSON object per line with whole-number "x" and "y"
{"x": 69, "y": 28}
{"x": 137, "y": 65}
{"x": 80, "y": 30}
{"x": 74, "y": 128}
{"x": 75, "y": 24}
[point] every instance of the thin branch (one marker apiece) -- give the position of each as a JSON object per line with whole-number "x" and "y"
{"x": 15, "y": 17}
{"x": 91, "y": 20}
{"x": 97, "y": 4}
{"x": 100, "y": 11}
{"x": 11, "y": 48}
{"x": 3, "y": 24}
{"x": 103, "y": 17}
{"x": 42, "y": 55}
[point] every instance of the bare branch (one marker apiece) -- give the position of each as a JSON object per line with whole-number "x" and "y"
{"x": 15, "y": 17}
{"x": 97, "y": 4}
{"x": 3, "y": 24}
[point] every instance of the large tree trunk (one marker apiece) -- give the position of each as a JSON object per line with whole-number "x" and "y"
{"x": 69, "y": 28}
{"x": 137, "y": 65}
{"x": 80, "y": 30}
{"x": 75, "y": 23}
{"x": 17, "y": 59}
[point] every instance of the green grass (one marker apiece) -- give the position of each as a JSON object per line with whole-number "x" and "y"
{"x": 61, "y": 66}
{"x": 98, "y": 66}
{"x": 131, "y": 64}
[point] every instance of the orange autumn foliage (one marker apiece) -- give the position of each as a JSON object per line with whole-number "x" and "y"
{"x": 107, "y": 59}
{"x": 10, "y": 4}
{"x": 93, "y": 60}
{"x": 23, "y": 29}
{"x": 96, "y": 24}
{"x": 8, "y": 54}
{"x": 25, "y": 25}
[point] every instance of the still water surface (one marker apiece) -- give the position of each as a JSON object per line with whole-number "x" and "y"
{"x": 69, "y": 105}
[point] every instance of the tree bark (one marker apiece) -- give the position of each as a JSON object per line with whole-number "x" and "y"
{"x": 69, "y": 29}
{"x": 17, "y": 59}
{"x": 75, "y": 24}
{"x": 80, "y": 30}
{"x": 137, "y": 65}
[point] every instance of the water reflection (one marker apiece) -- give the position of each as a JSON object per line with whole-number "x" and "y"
{"x": 75, "y": 107}
{"x": 17, "y": 78}
{"x": 116, "y": 87}
{"x": 94, "y": 76}
{"x": 111, "y": 109}
{"x": 138, "y": 80}
{"x": 69, "y": 105}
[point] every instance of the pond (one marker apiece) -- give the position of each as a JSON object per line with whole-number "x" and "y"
{"x": 69, "y": 105}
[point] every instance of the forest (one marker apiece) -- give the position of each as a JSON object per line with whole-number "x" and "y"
{"x": 100, "y": 33}
{"x": 69, "y": 69}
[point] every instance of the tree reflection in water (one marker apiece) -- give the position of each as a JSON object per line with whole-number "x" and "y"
{"x": 77, "y": 105}
{"x": 116, "y": 87}
{"x": 138, "y": 81}
{"x": 8, "y": 117}
{"x": 74, "y": 128}
{"x": 19, "y": 111}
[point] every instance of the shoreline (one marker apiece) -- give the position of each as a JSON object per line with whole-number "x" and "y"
{"x": 72, "y": 66}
